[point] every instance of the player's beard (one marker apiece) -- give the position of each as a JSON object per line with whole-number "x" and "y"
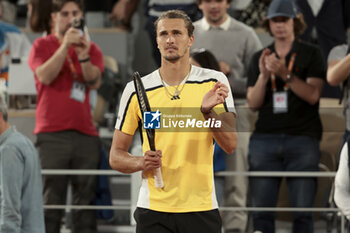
{"x": 175, "y": 57}
{"x": 172, "y": 58}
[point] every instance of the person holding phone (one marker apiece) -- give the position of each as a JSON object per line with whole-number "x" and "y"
{"x": 67, "y": 67}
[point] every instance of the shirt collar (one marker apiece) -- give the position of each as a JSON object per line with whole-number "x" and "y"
{"x": 224, "y": 26}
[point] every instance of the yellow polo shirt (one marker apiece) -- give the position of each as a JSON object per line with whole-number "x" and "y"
{"x": 184, "y": 137}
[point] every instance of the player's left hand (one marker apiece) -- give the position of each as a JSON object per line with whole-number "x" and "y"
{"x": 215, "y": 96}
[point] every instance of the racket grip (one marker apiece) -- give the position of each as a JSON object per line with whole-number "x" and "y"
{"x": 158, "y": 179}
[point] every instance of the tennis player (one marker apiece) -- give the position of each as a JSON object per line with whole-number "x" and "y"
{"x": 187, "y": 202}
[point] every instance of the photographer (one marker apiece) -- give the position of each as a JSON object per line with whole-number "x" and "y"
{"x": 66, "y": 68}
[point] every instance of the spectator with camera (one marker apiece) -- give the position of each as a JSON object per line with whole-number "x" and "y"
{"x": 66, "y": 67}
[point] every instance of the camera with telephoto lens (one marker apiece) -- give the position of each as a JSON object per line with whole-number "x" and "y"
{"x": 79, "y": 24}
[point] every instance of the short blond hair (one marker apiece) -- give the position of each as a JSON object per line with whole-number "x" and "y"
{"x": 177, "y": 14}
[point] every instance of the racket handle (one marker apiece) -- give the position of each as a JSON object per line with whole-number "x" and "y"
{"x": 158, "y": 180}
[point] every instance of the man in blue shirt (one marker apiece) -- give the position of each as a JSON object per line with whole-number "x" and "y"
{"x": 21, "y": 204}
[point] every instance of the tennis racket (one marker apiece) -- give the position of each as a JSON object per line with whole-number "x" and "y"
{"x": 145, "y": 107}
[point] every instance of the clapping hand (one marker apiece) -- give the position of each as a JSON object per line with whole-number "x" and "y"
{"x": 276, "y": 65}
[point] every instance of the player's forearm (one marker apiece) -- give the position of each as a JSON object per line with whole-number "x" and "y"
{"x": 122, "y": 161}
{"x": 48, "y": 71}
{"x": 256, "y": 94}
{"x": 226, "y": 135}
{"x": 226, "y": 140}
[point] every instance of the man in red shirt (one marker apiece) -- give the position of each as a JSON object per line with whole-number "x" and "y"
{"x": 66, "y": 67}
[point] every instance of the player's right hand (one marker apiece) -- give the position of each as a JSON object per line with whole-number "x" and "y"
{"x": 152, "y": 160}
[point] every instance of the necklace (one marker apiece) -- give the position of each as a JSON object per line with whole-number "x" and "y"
{"x": 177, "y": 92}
